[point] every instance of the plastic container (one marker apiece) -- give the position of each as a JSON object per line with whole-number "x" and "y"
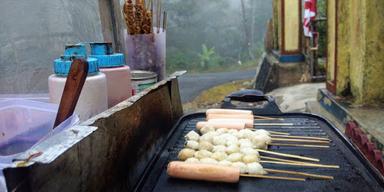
{"x": 146, "y": 51}
{"x": 25, "y": 123}
{"x": 142, "y": 80}
{"x": 93, "y": 98}
{"x": 117, "y": 73}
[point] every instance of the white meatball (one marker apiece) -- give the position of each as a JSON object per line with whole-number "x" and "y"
{"x": 205, "y": 145}
{"x": 244, "y": 143}
{"x": 221, "y": 130}
{"x": 192, "y": 160}
{"x": 192, "y": 135}
{"x": 244, "y": 140}
{"x": 260, "y": 145}
{"x": 246, "y": 132}
{"x": 249, "y": 151}
{"x": 261, "y": 141}
{"x": 231, "y": 138}
{"x": 239, "y": 135}
{"x": 207, "y": 137}
{"x": 219, "y": 155}
{"x": 217, "y": 148}
{"x": 232, "y": 149}
{"x": 235, "y": 157}
{"x": 268, "y": 139}
{"x": 225, "y": 135}
{"x": 225, "y": 163}
{"x": 192, "y": 144}
{"x": 255, "y": 168}
{"x": 252, "y": 135}
{"x": 185, "y": 154}
{"x": 262, "y": 132}
{"x": 219, "y": 140}
{"x": 242, "y": 166}
{"x": 232, "y": 131}
{"x": 250, "y": 158}
{"x": 208, "y": 161}
{"x": 229, "y": 143}
{"x": 206, "y": 129}
{"x": 202, "y": 154}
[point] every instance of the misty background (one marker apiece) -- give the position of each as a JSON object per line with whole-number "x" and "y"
{"x": 215, "y": 35}
{"x": 202, "y": 35}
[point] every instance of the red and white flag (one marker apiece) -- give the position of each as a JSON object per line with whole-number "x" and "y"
{"x": 309, "y": 15}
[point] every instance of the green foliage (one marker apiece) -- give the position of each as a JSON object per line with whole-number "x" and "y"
{"x": 194, "y": 24}
{"x": 207, "y": 57}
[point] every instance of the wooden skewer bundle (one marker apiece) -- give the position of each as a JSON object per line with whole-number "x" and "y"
{"x": 140, "y": 15}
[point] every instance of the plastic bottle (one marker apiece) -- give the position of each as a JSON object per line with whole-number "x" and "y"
{"x": 117, "y": 73}
{"x": 93, "y": 97}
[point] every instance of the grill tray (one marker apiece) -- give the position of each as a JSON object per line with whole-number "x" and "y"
{"x": 355, "y": 174}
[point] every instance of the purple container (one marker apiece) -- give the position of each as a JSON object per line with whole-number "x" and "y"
{"x": 25, "y": 123}
{"x": 146, "y": 52}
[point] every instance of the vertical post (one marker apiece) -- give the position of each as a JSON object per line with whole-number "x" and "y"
{"x": 290, "y": 32}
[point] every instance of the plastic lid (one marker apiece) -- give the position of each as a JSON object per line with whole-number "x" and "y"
{"x": 62, "y": 65}
{"x": 103, "y": 52}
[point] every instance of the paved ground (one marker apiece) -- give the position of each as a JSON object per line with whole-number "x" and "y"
{"x": 191, "y": 85}
{"x": 293, "y": 98}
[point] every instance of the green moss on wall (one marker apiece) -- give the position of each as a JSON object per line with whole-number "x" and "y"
{"x": 360, "y": 57}
{"x": 343, "y": 51}
{"x": 356, "y": 34}
{"x": 374, "y": 69}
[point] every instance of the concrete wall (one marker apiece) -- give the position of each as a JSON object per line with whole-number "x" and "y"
{"x": 33, "y": 33}
{"x": 360, "y": 43}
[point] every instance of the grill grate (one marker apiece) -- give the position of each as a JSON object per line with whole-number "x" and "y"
{"x": 353, "y": 174}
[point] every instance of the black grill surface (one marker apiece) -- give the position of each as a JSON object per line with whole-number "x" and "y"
{"x": 354, "y": 174}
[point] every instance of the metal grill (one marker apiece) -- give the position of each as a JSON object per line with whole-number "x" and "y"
{"x": 354, "y": 173}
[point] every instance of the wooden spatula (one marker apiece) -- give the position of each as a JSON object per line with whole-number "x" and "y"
{"x": 72, "y": 89}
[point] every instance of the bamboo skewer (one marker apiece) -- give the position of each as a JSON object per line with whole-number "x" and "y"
{"x": 273, "y": 124}
{"x": 274, "y": 132}
{"x": 279, "y": 159}
{"x": 288, "y": 155}
{"x": 300, "y": 140}
{"x": 300, "y": 137}
{"x": 299, "y": 145}
{"x": 158, "y": 16}
{"x": 278, "y": 133}
{"x": 293, "y": 162}
{"x": 273, "y": 177}
{"x": 302, "y": 164}
{"x": 300, "y": 173}
{"x": 164, "y": 20}
{"x": 265, "y": 118}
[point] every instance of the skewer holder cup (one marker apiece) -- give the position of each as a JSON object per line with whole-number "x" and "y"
{"x": 146, "y": 51}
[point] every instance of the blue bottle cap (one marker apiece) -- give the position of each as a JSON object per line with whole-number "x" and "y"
{"x": 62, "y": 65}
{"x": 103, "y": 52}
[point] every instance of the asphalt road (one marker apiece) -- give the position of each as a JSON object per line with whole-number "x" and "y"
{"x": 191, "y": 85}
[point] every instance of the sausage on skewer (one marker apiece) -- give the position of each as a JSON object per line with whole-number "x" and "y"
{"x": 215, "y": 173}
